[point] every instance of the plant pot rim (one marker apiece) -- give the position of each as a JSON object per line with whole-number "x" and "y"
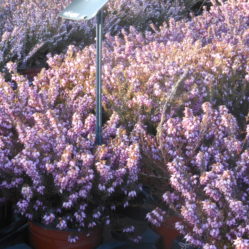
{"x": 42, "y": 237}
{"x": 71, "y": 230}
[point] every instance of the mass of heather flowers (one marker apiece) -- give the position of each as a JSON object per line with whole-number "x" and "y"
{"x": 140, "y": 70}
{"x": 32, "y": 29}
{"x": 206, "y": 156}
{"x": 175, "y": 117}
{"x": 50, "y": 163}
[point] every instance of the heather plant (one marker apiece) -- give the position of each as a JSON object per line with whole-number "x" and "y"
{"x": 139, "y": 74}
{"x": 140, "y": 13}
{"x": 34, "y": 29}
{"x": 206, "y": 158}
{"x": 212, "y": 48}
{"x": 140, "y": 70}
{"x": 49, "y": 163}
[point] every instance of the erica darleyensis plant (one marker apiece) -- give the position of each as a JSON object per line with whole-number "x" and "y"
{"x": 143, "y": 69}
{"x": 140, "y": 70}
{"x": 31, "y": 28}
{"x": 207, "y": 158}
{"x": 49, "y": 160}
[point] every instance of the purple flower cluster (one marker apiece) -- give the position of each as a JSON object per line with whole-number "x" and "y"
{"x": 140, "y": 70}
{"x": 49, "y": 160}
{"x": 33, "y": 28}
{"x": 206, "y": 157}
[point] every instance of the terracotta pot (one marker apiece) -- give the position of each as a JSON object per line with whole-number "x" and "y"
{"x": 42, "y": 237}
{"x": 168, "y": 232}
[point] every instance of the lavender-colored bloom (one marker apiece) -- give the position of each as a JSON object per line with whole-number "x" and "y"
{"x": 27, "y": 192}
{"x": 48, "y": 218}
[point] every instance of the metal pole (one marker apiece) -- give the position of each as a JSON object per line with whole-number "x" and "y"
{"x": 98, "y": 77}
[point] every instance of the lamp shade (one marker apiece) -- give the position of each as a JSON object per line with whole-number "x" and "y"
{"x": 82, "y": 9}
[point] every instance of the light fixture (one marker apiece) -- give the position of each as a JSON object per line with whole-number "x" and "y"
{"x": 85, "y": 10}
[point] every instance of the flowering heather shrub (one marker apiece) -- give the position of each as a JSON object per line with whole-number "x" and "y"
{"x": 50, "y": 163}
{"x": 32, "y": 29}
{"x": 140, "y": 13}
{"x": 207, "y": 158}
{"x": 143, "y": 70}
{"x": 140, "y": 71}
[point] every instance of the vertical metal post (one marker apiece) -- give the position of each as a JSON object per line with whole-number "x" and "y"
{"x": 98, "y": 77}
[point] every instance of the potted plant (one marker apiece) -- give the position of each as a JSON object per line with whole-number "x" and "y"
{"x": 206, "y": 156}
{"x": 219, "y": 81}
{"x": 59, "y": 179}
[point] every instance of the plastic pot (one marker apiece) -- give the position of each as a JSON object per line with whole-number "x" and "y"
{"x": 167, "y": 232}
{"x": 42, "y": 237}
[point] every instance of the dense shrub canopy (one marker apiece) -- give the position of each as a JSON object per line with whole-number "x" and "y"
{"x": 192, "y": 130}
{"x": 31, "y": 29}
{"x": 207, "y": 158}
{"x": 140, "y": 70}
{"x": 49, "y": 161}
